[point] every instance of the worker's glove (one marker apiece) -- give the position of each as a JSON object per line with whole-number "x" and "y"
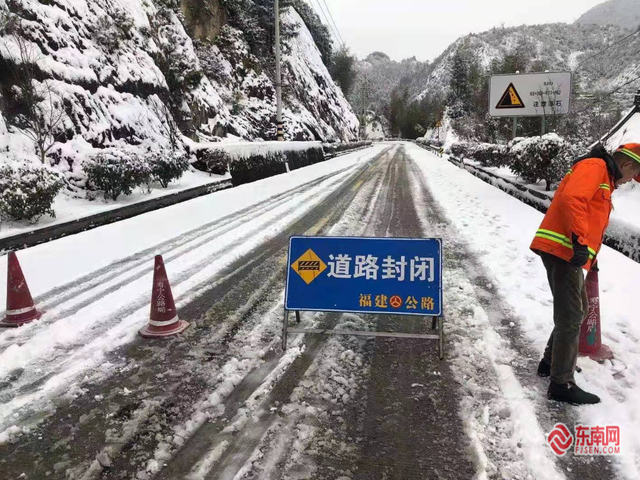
{"x": 580, "y": 253}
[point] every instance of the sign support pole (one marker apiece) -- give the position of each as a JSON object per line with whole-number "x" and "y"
{"x": 285, "y": 330}
{"x": 515, "y": 128}
{"x": 441, "y": 335}
{"x": 437, "y": 321}
{"x": 543, "y": 129}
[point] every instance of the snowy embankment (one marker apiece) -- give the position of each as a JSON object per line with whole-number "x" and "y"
{"x": 69, "y": 208}
{"x": 246, "y": 150}
{"x": 626, "y": 199}
{"x": 499, "y": 229}
{"x": 94, "y": 287}
{"x": 624, "y": 230}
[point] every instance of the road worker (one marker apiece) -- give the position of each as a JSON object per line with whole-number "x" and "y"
{"x": 568, "y": 241}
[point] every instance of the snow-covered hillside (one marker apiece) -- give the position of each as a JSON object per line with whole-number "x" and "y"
{"x": 375, "y": 126}
{"x": 378, "y": 76}
{"x": 624, "y": 13}
{"x": 552, "y": 47}
{"x": 126, "y": 70}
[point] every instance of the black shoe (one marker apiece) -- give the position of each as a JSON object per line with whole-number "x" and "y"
{"x": 571, "y": 393}
{"x": 544, "y": 369}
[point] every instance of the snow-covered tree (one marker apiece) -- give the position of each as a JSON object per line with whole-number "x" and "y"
{"x": 546, "y": 158}
{"x": 343, "y": 69}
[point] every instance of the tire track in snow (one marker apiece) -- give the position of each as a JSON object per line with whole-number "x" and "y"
{"x": 153, "y": 359}
{"x": 97, "y": 280}
{"x": 60, "y": 357}
{"x": 516, "y": 368}
{"x": 240, "y": 445}
{"x": 401, "y": 430}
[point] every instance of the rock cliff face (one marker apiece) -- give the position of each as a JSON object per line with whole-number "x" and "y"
{"x": 144, "y": 73}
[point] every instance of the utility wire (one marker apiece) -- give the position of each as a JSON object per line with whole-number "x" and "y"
{"x": 607, "y": 95}
{"x": 617, "y": 42}
{"x": 326, "y": 19}
{"x": 334, "y": 22}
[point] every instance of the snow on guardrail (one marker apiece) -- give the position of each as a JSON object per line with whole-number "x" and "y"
{"x": 621, "y": 236}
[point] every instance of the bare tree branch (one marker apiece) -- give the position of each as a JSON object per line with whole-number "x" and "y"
{"x": 44, "y": 112}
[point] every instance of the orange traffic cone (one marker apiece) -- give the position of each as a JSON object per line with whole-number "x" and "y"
{"x": 590, "y": 336}
{"x": 164, "y": 320}
{"x": 20, "y": 306}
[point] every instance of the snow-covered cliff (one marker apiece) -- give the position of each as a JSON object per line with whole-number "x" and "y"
{"x": 127, "y": 74}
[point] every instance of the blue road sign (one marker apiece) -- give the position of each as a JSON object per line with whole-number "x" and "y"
{"x": 397, "y": 276}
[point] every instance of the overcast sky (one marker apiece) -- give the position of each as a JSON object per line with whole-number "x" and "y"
{"x": 424, "y": 28}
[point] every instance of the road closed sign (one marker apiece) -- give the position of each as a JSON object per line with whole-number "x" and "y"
{"x": 530, "y": 95}
{"x": 365, "y": 275}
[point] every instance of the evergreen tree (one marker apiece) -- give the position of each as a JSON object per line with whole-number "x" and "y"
{"x": 460, "y": 74}
{"x": 343, "y": 69}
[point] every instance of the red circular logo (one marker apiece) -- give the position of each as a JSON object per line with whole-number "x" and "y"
{"x": 395, "y": 301}
{"x": 560, "y": 439}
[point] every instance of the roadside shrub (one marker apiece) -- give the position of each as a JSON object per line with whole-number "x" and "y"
{"x": 165, "y": 168}
{"x": 545, "y": 158}
{"x": 27, "y": 192}
{"x": 214, "y": 161}
{"x": 304, "y": 158}
{"x": 335, "y": 148}
{"x": 462, "y": 150}
{"x": 116, "y": 172}
{"x": 491, "y": 155}
{"x": 256, "y": 167}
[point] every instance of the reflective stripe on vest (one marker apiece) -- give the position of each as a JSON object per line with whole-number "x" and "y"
{"x": 562, "y": 240}
{"x": 605, "y": 186}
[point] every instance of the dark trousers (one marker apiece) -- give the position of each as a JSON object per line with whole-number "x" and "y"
{"x": 570, "y": 307}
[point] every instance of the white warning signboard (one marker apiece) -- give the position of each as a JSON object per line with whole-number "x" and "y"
{"x": 530, "y": 95}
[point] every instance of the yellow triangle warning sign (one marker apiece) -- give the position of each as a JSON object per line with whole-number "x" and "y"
{"x": 510, "y": 99}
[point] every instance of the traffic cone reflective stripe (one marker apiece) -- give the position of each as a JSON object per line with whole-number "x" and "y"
{"x": 590, "y": 333}
{"x": 164, "y": 320}
{"x": 20, "y": 306}
{"x": 164, "y": 324}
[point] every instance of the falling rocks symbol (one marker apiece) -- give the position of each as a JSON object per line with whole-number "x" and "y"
{"x": 510, "y": 99}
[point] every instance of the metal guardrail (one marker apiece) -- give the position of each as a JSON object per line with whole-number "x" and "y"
{"x": 53, "y": 232}
{"x": 621, "y": 237}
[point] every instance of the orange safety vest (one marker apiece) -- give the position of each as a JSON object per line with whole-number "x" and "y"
{"x": 581, "y": 205}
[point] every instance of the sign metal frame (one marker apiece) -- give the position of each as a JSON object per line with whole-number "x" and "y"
{"x": 437, "y": 320}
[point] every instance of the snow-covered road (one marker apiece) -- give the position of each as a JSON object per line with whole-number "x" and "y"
{"x": 82, "y": 397}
